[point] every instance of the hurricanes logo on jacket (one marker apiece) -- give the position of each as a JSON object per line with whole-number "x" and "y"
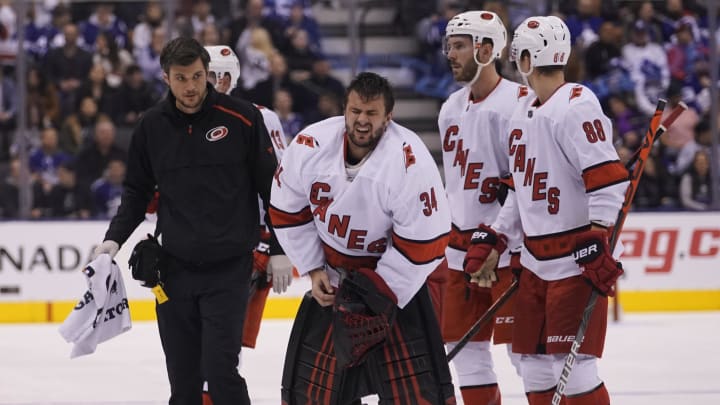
{"x": 216, "y": 134}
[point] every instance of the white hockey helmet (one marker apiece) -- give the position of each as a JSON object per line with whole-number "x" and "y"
{"x": 224, "y": 66}
{"x": 479, "y": 25}
{"x": 547, "y": 40}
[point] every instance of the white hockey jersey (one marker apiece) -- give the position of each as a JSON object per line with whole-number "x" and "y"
{"x": 277, "y": 136}
{"x": 566, "y": 173}
{"x": 392, "y": 216}
{"x": 474, "y": 138}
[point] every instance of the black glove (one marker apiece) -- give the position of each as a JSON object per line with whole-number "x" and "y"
{"x": 592, "y": 253}
{"x": 146, "y": 261}
{"x": 364, "y": 311}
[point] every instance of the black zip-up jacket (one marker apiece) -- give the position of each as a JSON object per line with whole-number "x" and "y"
{"x": 209, "y": 168}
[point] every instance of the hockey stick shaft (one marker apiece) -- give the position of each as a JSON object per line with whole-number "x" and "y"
{"x": 489, "y": 314}
{"x": 655, "y": 131}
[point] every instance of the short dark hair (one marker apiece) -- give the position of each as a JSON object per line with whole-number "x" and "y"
{"x": 183, "y": 51}
{"x": 370, "y": 85}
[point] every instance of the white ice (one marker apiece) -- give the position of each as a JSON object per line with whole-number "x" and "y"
{"x": 658, "y": 359}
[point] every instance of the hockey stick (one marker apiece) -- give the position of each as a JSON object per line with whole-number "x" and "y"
{"x": 483, "y": 319}
{"x": 655, "y": 131}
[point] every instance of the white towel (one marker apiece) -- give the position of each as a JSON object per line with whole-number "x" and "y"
{"x": 103, "y": 311}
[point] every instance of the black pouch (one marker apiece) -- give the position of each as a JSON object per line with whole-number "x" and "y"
{"x": 146, "y": 261}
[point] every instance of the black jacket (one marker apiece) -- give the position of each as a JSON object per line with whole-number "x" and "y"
{"x": 209, "y": 168}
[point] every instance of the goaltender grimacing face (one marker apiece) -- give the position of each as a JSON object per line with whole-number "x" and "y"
{"x": 365, "y": 120}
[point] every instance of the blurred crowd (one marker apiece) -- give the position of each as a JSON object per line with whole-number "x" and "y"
{"x": 630, "y": 53}
{"x": 93, "y": 69}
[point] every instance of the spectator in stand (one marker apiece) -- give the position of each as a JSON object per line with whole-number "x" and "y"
{"x": 8, "y": 110}
{"x": 627, "y": 121}
{"x": 112, "y": 58}
{"x": 603, "y": 55}
{"x": 103, "y": 19}
{"x": 657, "y": 189}
{"x": 201, "y": 15}
{"x": 702, "y": 141}
{"x": 322, "y": 81}
{"x": 40, "y": 36}
{"x": 239, "y": 29}
{"x": 262, "y": 93}
{"x": 106, "y": 191}
{"x": 97, "y": 87}
{"x": 648, "y": 66}
{"x": 646, "y": 13}
{"x": 148, "y": 59}
{"x": 584, "y": 23}
{"x": 255, "y": 58}
{"x": 45, "y": 160}
{"x": 209, "y": 35}
{"x": 682, "y": 130}
{"x": 134, "y": 97}
{"x": 300, "y": 57}
{"x": 43, "y": 101}
{"x": 92, "y": 161}
{"x": 76, "y": 131}
{"x": 687, "y": 56}
{"x": 299, "y": 20}
{"x": 695, "y": 184}
{"x": 328, "y": 105}
{"x": 67, "y": 199}
{"x": 291, "y": 122}
{"x": 430, "y": 32}
{"x": 67, "y": 67}
{"x": 674, "y": 11}
{"x": 152, "y": 19}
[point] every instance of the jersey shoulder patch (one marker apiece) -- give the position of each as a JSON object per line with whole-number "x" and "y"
{"x": 522, "y": 92}
{"x": 576, "y": 92}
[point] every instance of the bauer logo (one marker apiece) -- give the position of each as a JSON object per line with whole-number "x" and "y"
{"x": 477, "y": 235}
{"x": 585, "y": 252}
{"x": 216, "y": 134}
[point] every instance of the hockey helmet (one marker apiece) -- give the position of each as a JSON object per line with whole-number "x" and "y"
{"x": 547, "y": 40}
{"x": 224, "y": 68}
{"x": 479, "y": 25}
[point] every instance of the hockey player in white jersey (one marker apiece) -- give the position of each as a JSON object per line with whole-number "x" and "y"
{"x": 473, "y": 129}
{"x": 568, "y": 187}
{"x": 225, "y": 68}
{"x": 358, "y": 205}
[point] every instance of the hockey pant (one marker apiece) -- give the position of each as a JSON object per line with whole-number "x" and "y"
{"x": 410, "y": 367}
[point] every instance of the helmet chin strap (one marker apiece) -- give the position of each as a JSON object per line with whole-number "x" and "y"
{"x": 524, "y": 74}
{"x": 480, "y": 67}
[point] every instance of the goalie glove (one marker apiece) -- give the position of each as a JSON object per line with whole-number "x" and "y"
{"x": 480, "y": 261}
{"x": 363, "y": 314}
{"x": 592, "y": 253}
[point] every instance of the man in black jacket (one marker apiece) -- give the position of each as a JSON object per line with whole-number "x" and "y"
{"x": 210, "y": 156}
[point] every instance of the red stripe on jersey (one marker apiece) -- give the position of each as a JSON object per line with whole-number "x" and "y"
{"x": 233, "y": 113}
{"x": 603, "y": 175}
{"x": 553, "y": 246}
{"x": 340, "y": 260}
{"x": 460, "y": 240}
{"x": 421, "y": 252}
{"x": 282, "y": 219}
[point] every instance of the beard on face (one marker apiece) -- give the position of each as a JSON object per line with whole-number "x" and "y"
{"x": 372, "y": 140}
{"x": 467, "y": 72}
